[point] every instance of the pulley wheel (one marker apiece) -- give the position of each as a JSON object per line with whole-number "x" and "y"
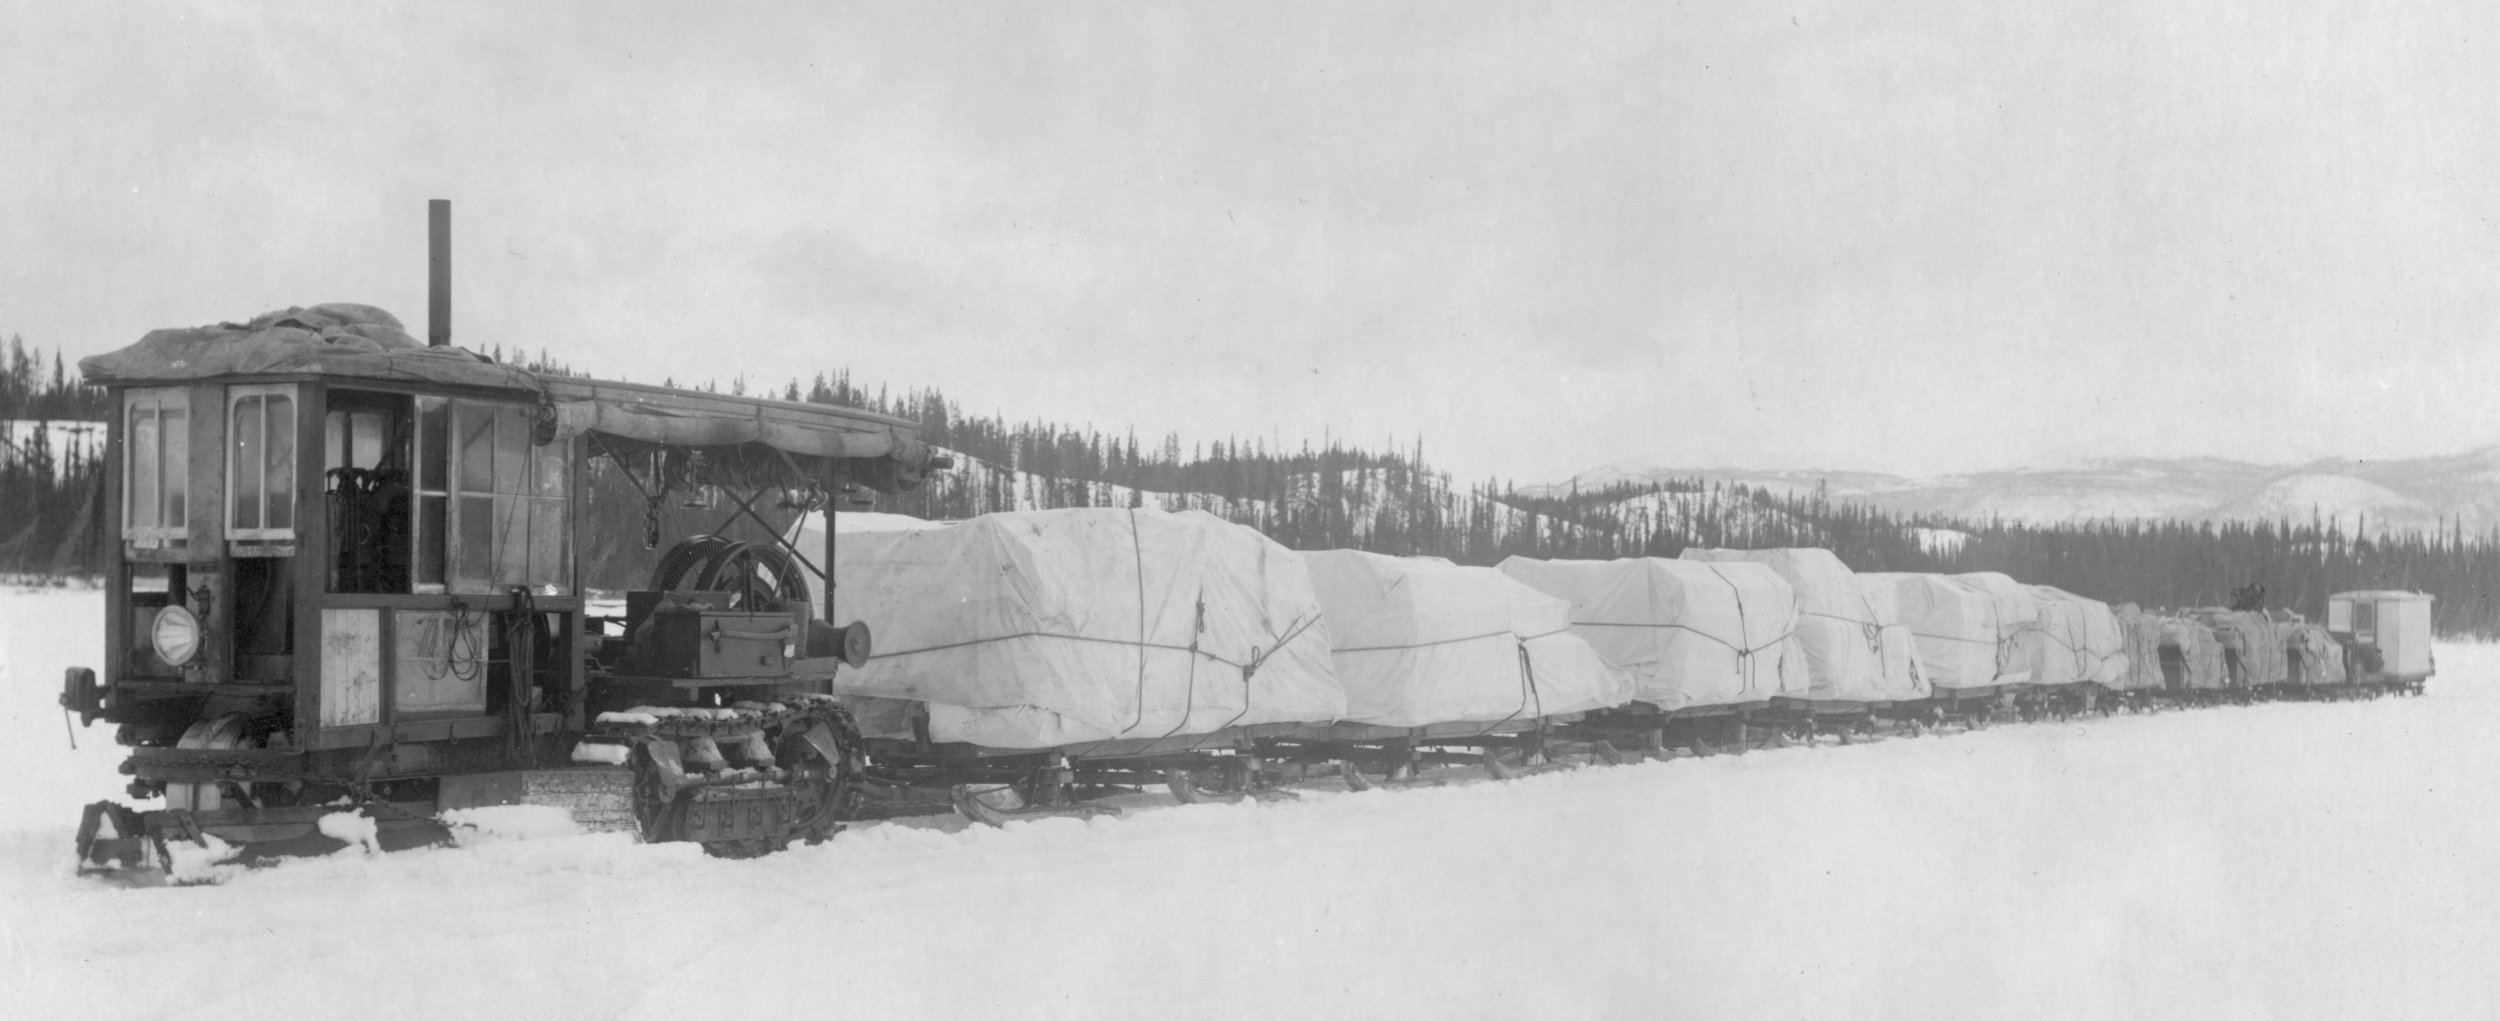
{"x": 855, "y": 644}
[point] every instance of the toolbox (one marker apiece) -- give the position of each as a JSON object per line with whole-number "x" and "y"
{"x": 698, "y": 642}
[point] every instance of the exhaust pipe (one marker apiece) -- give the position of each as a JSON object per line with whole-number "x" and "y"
{"x": 438, "y": 276}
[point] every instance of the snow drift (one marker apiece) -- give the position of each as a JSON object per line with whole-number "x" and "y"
{"x": 1420, "y": 640}
{"x": 1685, "y": 634}
{"x": 1037, "y": 629}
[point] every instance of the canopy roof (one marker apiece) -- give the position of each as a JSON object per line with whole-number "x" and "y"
{"x": 361, "y": 342}
{"x": 2383, "y": 594}
{"x": 337, "y": 339}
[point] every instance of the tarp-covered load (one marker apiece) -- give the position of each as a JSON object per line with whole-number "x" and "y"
{"x": 1419, "y": 641}
{"x": 2141, "y": 634}
{"x": 2251, "y": 651}
{"x": 1684, "y": 634}
{"x": 1042, "y": 629}
{"x": 2018, "y": 623}
{"x": 2080, "y": 639}
{"x": 1896, "y": 645}
{"x": 2311, "y": 655}
{"x": 1954, "y": 624}
{"x": 336, "y": 339}
{"x": 2191, "y": 656}
{"x": 1845, "y": 656}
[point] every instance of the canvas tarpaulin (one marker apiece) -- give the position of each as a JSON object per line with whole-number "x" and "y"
{"x": 2311, "y": 654}
{"x": 665, "y": 416}
{"x": 1684, "y": 634}
{"x": 2251, "y": 651}
{"x": 334, "y": 339}
{"x": 2018, "y": 623}
{"x": 1044, "y": 629}
{"x": 2198, "y": 664}
{"x": 1897, "y": 644}
{"x": 2140, "y": 632}
{"x": 2080, "y": 639}
{"x": 1845, "y": 657}
{"x": 1420, "y": 640}
{"x": 1955, "y": 626}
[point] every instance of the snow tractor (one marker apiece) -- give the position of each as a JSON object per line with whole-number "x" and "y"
{"x": 346, "y": 575}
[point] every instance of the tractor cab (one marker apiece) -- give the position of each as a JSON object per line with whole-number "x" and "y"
{"x": 345, "y": 564}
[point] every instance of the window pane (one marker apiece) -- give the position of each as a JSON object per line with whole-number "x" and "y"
{"x": 512, "y": 452}
{"x": 176, "y": 468}
{"x": 280, "y": 463}
{"x": 474, "y": 548}
{"x": 431, "y": 515}
{"x": 433, "y": 444}
{"x": 144, "y": 461}
{"x": 246, "y": 461}
{"x": 477, "y": 448}
{"x": 334, "y": 440}
{"x": 549, "y": 562}
{"x": 512, "y": 541}
{"x": 552, "y": 465}
{"x": 365, "y": 439}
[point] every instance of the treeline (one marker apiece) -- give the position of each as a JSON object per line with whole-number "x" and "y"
{"x": 36, "y": 387}
{"x": 49, "y": 491}
{"x": 2153, "y": 563}
{"x": 1341, "y": 496}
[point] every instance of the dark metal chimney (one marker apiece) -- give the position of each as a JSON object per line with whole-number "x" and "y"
{"x": 438, "y": 277}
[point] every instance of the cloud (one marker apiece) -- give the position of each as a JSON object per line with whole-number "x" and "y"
{"x": 1930, "y": 235}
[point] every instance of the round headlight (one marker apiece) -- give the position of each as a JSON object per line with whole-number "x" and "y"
{"x": 176, "y": 635}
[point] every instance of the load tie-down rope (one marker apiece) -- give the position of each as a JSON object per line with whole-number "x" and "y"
{"x": 1528, "y": 692}
{"x": 1505, "y": 632}
{"x": 1744, "y": 656}
{"x": 1871, "y": 631}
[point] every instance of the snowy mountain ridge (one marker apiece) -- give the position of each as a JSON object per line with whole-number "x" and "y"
{"x": 2409, "y": 494}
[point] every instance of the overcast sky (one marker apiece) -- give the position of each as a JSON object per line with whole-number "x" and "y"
{"x": 1910, "y": 236}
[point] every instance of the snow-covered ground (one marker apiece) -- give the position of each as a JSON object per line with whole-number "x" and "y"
{"x": 2326, "y": 861}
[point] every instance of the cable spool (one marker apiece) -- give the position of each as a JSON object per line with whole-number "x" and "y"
{"x": 855, "y": 644}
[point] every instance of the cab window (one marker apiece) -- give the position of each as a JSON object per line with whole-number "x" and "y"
{"x": 156, "y": 465}
{"x": 509, "y": 508}
{"x": 260, "y": 462}
{"x": 366, "y": 440}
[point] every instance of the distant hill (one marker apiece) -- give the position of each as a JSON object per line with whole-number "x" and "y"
{"x": 2414, "y": 494}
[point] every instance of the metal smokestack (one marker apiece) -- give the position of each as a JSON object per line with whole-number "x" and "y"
{"x": 438, "y": 275}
